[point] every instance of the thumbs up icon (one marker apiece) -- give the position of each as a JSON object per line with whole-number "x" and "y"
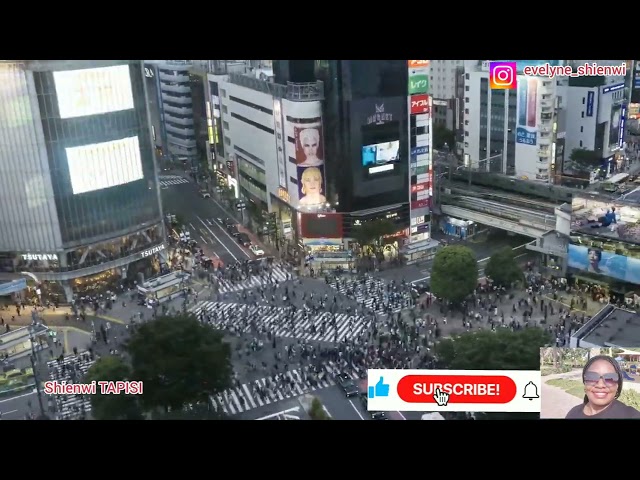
{"x": 381, "y": 389}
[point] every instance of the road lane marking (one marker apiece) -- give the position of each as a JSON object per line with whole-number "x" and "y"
{"x": 7, "y": 413}
{"x": 481, "y": 270}
{"x": 357, "y": 411}
{"x": 216, "y": 237}
{"x": 235, "y": 242}
{"x": 401, "y": 415}
{"x": 18, "y": 396}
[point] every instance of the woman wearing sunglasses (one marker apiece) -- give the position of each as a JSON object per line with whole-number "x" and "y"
{"x": 602, "y": 378}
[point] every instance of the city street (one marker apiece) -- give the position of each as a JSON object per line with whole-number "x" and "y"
{"x": 200, "y": 217}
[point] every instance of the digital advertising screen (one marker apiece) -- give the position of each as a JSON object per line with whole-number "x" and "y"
{"x": 380, "y": 153}
{"x": 603, "y": 262}
{"x": 104, "y": 165}
{"x": 380, "y": 148}
{"x": 614, "y": 124}
{"x": 93, "y": 91}
{"x": 605, "y": 218}
{"x": 321, "y": 225}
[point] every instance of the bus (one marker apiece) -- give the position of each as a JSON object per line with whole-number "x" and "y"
{"x": 613, "y": 184}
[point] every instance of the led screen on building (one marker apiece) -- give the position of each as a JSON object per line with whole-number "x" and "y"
{"x": 321, "y": 225}
{"x": 93, "y": 91}
{"x": 104, "y": 165}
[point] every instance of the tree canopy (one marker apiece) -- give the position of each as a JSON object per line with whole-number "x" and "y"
{"x": 180, "y": 361}
{"x": 442, "y": 135}
{"x": 585, "y": 158}
{"x": 503, "y": 349}
{"x": 317, "y": 412}
{"x": 454, "y": 274}
{"x": 503, "y": 269}
{"x": 372, "y": 233}
{"x": 113, "y": 407}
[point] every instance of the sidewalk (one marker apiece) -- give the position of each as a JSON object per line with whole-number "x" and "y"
{"x": 556, "y": 403}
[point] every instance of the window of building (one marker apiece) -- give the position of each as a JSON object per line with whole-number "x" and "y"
{"x": 582, "y": 115}
{"x": 581, "y": 129}
{"x": 467, "y": 88}
{"x": 225, "y": 109}
{"x": 466, "y": 99}
{"x": 225, "y": 125}
{"x": 223, "y": 92}
{"x": 581, "y": 143}
{"x": 583, "y": 100}
{"x": 227, "y": 141}
{"x": 466, "y": 133}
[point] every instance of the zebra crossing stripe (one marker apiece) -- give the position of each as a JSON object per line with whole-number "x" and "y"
{"x": 363, "y": 296}
{"x": 281, "y": 323}
{"x": 227, "y": 286}
{"x": 244, "y": 397}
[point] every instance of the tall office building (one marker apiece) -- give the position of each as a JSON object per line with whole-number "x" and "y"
{"x": 322, "y": 143}
{"x": 78, "y": 189}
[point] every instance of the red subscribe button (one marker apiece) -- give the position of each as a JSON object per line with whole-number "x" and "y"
{"x": 460, "y": 388}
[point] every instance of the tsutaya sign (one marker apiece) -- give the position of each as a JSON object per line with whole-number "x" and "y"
{"x": 153, "y": 250}
{"x": 380, "y": 116}
{"x": 40, "y": 256}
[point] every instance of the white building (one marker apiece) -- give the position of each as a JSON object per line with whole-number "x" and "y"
{"x": 176, "y": 106}
{"x": 260, "y": 124}
{"x": 509, "y": 131}
{"x": 592, "y": 109}
{"x": 445, "y": 77}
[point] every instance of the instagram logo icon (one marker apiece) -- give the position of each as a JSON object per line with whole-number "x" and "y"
{"x": 502, "y": 75}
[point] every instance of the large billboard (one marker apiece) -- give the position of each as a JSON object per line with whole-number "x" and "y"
{"x": 311, "y": 187}
{"x": 104, "y": 165}
{"x": 93, "y": 91}
{"x": 418, "y": 81}
{"x": 606, "y": 218}
{"x": 614, "y": 125}
{"x": 527, "y": 111}
{"x": 309, "y": 157}
{"x": 309, "y": 145}
{"x": 603, "y": 262}
{"x": 321, "y": 225}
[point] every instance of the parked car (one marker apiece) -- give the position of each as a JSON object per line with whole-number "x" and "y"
{"x": 256, "y": 250}
{"x": 228, "y": 222}
{"x": 204, "y": 194}
{"x": 233, "y": 230}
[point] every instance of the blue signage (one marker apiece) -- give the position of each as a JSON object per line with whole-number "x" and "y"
{"x": 420, "y": 150}
{"x": 623, "y": 115}
{"x": 636, "y": 82}
{"x": 590, "y": 99}
{"x": 13, "y": 286}
{"x": 595, "y": 260}
{"x": 526, "y": 137}
{"x": 613, "y": 88}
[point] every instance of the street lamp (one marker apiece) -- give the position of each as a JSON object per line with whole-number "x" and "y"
{"x": 34, "y": 367}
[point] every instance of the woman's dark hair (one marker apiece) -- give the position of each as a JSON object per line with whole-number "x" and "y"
{"x": 616, "y": 367}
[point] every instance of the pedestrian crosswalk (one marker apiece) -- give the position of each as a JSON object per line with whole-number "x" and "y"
{"x": 372, "y": 293}
{"x": 265, "y": 391}
{"x": 281, "y": 323}
{"x": 167, "y": 180}
{"x": 276, "y": 272}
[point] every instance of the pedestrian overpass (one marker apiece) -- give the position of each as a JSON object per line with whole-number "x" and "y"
{"x": 528, "y": 225}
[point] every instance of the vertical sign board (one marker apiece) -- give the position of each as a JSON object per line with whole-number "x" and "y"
{"x": 280, "y": 153}
{"x": 420, "y": 174}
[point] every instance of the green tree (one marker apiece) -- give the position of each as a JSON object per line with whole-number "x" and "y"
{"x": 443, "y": 136}
{"x": 503, "y": 268}
{"x": 586, "y": 159}
{"x": 317, "y": 412}
{"x": 180, "y": 361}
{"x": 372, "y": 233}
{"x": 454, "y": 274}
{"x": 113, "y": 407}
{"x": 500, "y": 350}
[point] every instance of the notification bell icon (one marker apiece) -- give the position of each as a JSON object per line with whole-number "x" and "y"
{"x": 530, "y": 391}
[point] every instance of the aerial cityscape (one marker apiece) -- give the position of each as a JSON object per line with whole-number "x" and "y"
{"x": 245, "y": 239}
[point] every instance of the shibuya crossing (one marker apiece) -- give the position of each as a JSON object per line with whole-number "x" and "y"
{"x": 80, "y": 199}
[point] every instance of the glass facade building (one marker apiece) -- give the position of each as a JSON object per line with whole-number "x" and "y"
{"x": 78, "y": 184}
{"x": 365, "y": 103}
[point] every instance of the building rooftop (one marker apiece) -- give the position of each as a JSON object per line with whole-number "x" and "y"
{"x": 611, "y": 326}
{"x": 300, "y": 92}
